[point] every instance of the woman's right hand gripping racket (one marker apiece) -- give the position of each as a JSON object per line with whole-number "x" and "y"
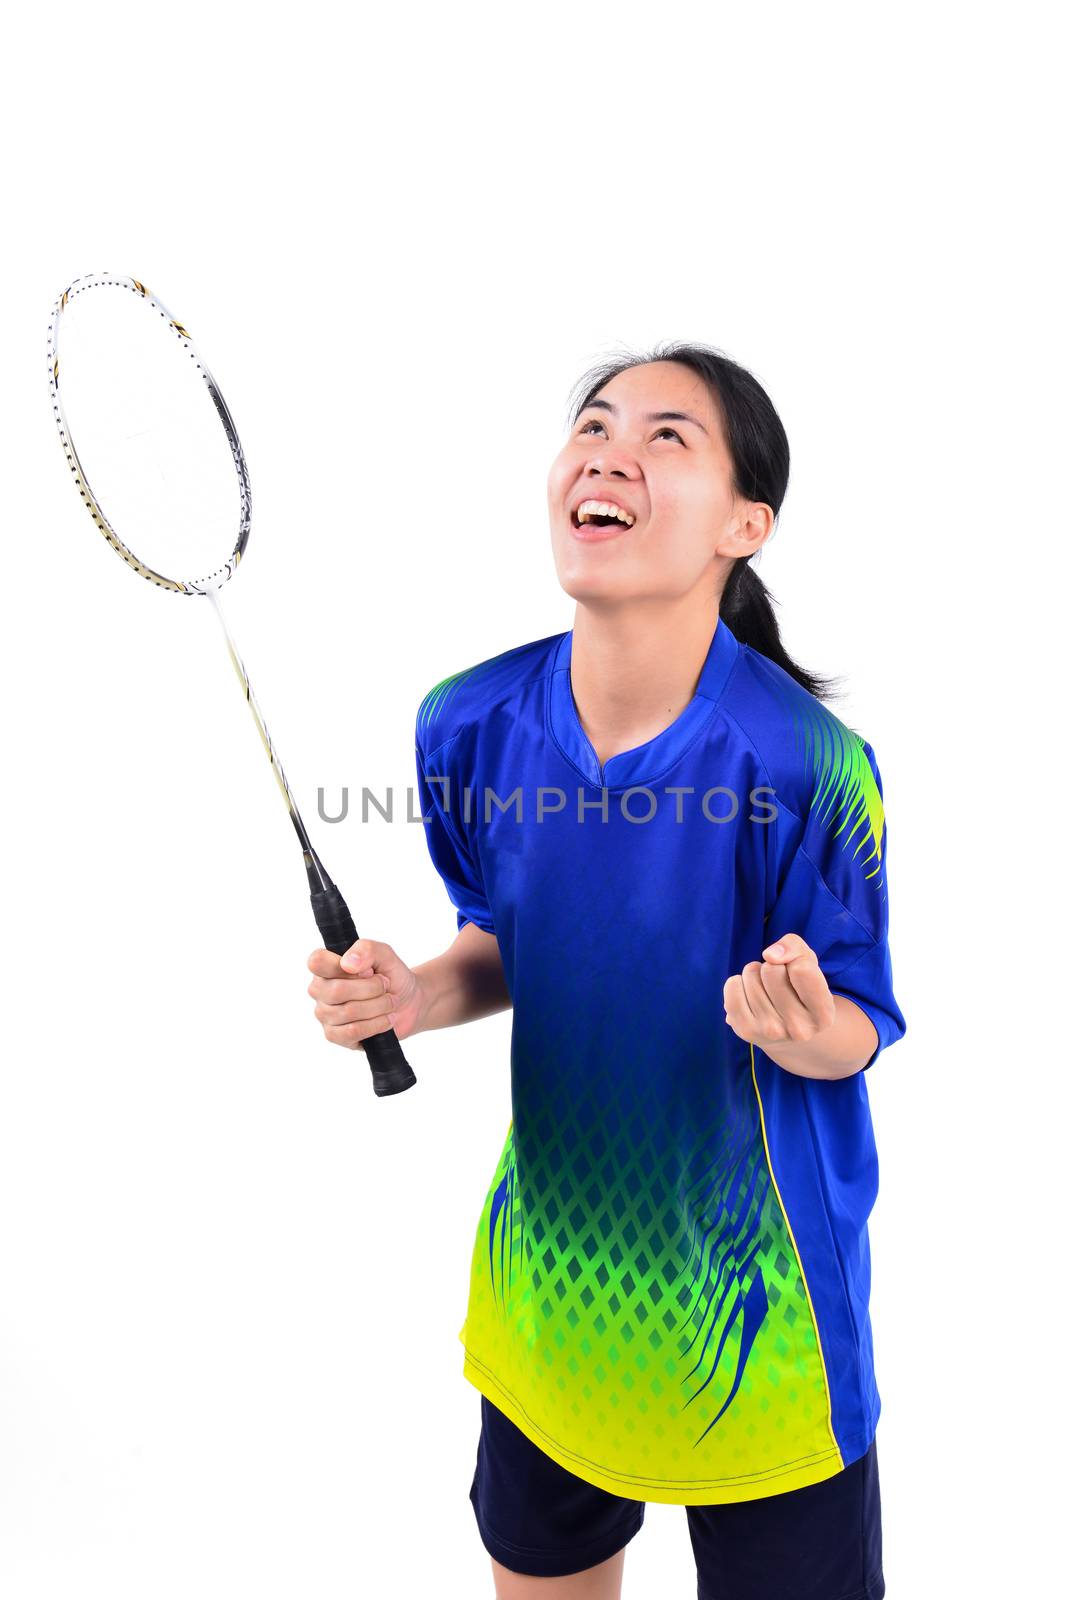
{"x": 160, "y": 469}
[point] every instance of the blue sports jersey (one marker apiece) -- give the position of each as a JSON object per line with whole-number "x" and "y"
{"x": 670, "y": 1278}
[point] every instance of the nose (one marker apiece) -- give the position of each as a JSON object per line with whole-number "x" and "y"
{"x": 611, "y": 465}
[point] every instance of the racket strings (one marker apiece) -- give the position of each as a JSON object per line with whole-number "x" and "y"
{"x": 130, "y": 401}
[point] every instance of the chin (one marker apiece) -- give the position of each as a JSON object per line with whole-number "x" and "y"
{"x": 589, "y": 572}
{"x": 591, "y": 591}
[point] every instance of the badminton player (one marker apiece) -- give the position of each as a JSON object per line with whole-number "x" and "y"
{"x": 670, "y": 857}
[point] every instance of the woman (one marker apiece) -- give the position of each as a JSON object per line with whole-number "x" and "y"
{"x": 669, "y": 857}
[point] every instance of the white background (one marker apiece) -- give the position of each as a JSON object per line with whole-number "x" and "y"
{"x": 231, "y": 1279}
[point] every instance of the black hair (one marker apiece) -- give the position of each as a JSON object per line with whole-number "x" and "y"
{"x": 760, "y": 455}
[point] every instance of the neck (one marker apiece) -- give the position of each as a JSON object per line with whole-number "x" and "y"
{"x": 634, "y": 668}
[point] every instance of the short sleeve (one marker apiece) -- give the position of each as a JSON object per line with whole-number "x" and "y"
{"x": 451, "y": 848}
{"x": 830, "y": 872}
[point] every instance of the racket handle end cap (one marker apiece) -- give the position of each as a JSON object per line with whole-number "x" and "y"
{"x": 388, "y": 1065}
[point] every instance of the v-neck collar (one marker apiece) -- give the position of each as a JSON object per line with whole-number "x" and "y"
{"x": 646, "y": 761}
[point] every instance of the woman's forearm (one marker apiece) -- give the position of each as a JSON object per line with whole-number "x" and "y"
{"x": 464, "y": 983}
{"x": 839, "y": 1051}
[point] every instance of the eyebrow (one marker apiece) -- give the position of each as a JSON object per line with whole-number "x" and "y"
{"x": 650, "y": 416}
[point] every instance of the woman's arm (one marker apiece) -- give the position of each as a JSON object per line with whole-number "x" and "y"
{"x": 358, "y": 992}
{"x": 464, "y": 983}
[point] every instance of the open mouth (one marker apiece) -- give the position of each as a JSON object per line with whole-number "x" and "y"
{"x": 596, "y": 519}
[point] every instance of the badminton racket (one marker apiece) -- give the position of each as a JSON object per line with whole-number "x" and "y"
{"x": 162, "y": 471}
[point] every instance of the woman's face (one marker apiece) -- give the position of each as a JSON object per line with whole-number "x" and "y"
{"x": 672, "y": 473}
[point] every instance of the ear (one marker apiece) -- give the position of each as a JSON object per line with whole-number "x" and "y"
{"x": 748, "y": 530}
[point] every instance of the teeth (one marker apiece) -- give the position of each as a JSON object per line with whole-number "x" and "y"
{"x": 603, "y": 508}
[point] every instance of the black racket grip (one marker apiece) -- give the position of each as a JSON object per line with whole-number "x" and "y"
{"x": 388, "y": 1065}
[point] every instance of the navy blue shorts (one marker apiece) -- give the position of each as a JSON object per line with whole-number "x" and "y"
{"x": 821, "y": 1542}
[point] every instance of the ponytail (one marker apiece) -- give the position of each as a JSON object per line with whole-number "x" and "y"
{"x": 747, "y": 610}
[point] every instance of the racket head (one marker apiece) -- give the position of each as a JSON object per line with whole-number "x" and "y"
{"x": 130, "y": 392}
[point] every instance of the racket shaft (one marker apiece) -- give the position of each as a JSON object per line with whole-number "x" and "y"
{"x": 388, "y": 1065}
